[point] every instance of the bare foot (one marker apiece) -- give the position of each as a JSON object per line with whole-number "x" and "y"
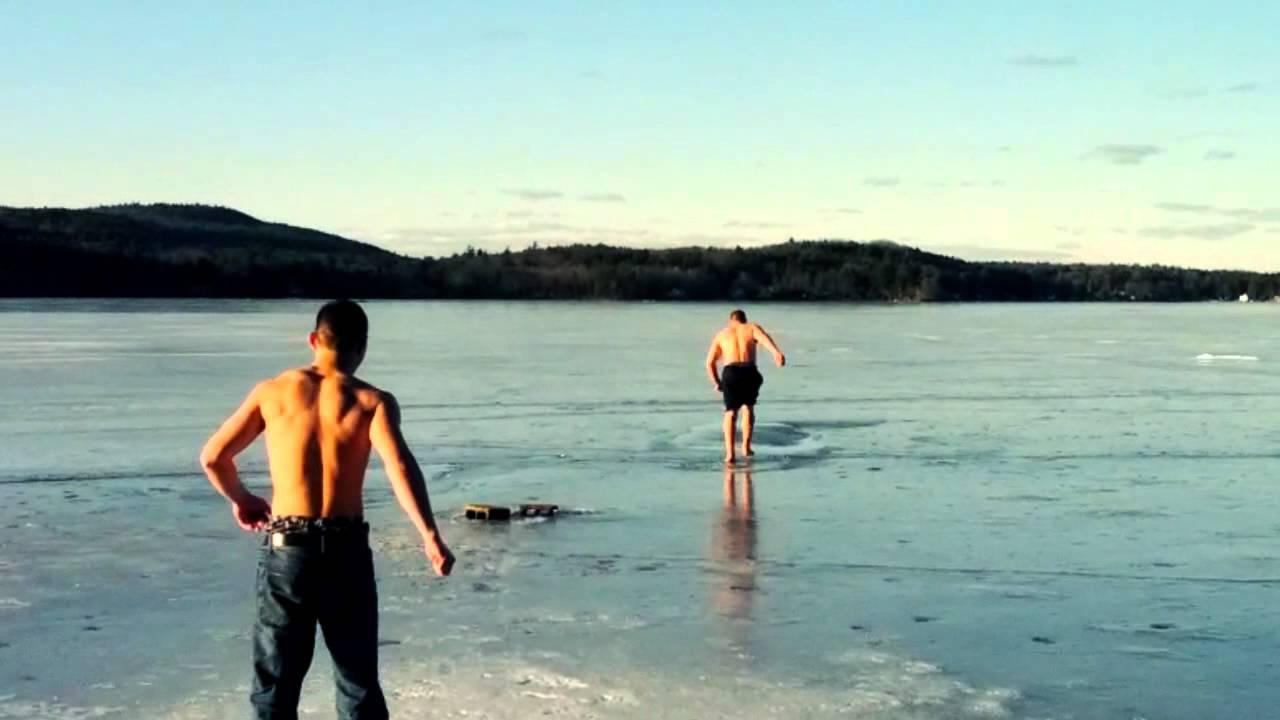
{"x": 747, "y": 451}
{"x": 729, "y": 459}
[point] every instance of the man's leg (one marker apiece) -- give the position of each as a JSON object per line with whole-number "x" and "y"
{"x": 748, "y": 429}
{"x": 284, "y": 637}
{"x": 730, "y": 421}
{"x": 349, "y": 621}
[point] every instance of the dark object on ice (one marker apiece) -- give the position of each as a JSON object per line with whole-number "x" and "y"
{"x": 538, "y": 510}
{"x": 1042, "y": 640}
{"x": 476, "y": 511}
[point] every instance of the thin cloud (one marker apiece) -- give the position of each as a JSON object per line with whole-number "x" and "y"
{"x": 749, "y": 225}
{"x": 988, "y": 253}
{"x": 1201, "y": 92}
{"x": 883, "y": 181}
{"x": 1246, "y": 213}
{"x": 1069, "y": 245}
{"x": 503, "y": 36}
{"x": 1034, "y": 60}
{"x": 1208, "y": 135}
{"x": 1266, "y": 215}
{"x": 472, "y": 233}
{"x": 500, "y": 235}
{"x": 603, "y": 198}
{"x": 705, "y": 239}
{"x": 846, "y": 211}
{"x": 1188, "y": 93}
{"x": 533, "y": 194}
{"x": 1185, "y": 207}
{"x": 1219, "y": 155}
{"x": 1126, "y": 154}
{"x": 1200, "y": 232}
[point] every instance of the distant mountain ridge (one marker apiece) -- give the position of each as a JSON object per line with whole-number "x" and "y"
{"x": 167, "y": 250}
{"x": 181, "y": 215}
{"x": 167, "y": 228}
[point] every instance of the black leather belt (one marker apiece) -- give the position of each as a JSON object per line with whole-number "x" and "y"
{"x": 317, "y": 540}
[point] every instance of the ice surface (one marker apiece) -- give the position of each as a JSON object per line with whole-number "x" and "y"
{"x": 1014, "y": 521}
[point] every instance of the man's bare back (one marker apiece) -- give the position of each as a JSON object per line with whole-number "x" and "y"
{"x": 318, "y": 434}
{"x": 737, "y": 343}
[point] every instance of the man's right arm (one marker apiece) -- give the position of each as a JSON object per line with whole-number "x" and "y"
{"x": 407, "y": 481}
{"x": 218, "y": 458}
{"x": 712, "y": 356}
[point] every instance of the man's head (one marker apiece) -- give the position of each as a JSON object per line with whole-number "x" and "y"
{"x": 737, "y": 316}
{"x": 342, "y": 328}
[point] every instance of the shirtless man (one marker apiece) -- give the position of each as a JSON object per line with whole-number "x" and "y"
{"x": 321, "y": 423}
{"x": 740, "y": 381}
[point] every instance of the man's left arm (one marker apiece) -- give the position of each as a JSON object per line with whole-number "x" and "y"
{"x": 763, "y": 338}
{"x": 218, "y": 460}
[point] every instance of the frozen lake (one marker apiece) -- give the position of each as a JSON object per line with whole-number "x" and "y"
{"x": 956, "y": 512}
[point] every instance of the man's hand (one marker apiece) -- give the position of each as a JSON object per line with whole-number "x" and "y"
{"x": 441, "y": 559}
{"x": 251, "y": 512}
{"x": 719, "y": 388}
{"x": 780, "y": 359}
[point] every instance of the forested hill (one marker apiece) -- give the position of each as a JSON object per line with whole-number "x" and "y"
{"x": 204, "y": 251}
{"x": 178, "y": 251}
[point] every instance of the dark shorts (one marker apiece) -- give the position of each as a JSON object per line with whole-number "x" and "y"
{"x": 740, "y": 383}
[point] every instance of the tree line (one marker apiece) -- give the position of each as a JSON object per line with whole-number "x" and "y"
{"x": 202, "y": 251}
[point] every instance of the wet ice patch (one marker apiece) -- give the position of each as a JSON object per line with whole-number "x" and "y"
{"x": 868, "y": 684}
{"x": 1206, "y": 358}
{"x": 42, "y": 710}
{"x": 546, "y": 679}
{"x": 770, "y": 439}
{"x": 886, "y": 685}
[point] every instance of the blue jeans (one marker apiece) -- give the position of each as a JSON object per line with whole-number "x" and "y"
{"x": 298, "y": 587}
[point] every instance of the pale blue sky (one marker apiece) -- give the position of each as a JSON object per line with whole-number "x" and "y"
{"x": 1099, "y": 131}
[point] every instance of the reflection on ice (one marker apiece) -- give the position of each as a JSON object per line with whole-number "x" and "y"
{"x": 734, "y": 552}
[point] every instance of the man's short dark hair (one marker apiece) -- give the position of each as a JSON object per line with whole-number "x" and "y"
{"x": 342, "y": 326}
{"x": 738, "y": 315}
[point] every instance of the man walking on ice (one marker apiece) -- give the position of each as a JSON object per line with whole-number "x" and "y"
{"x": 321, "y": 422}
{"x": 739, "y": 380}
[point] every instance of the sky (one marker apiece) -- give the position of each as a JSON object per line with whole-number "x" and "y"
{"x": 1142, "y": 131}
